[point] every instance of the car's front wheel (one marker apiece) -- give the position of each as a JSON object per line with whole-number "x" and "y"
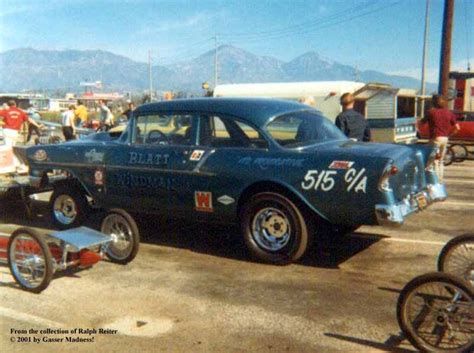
{"x": 68, "y": 207}
{"x": 274, "y": 229}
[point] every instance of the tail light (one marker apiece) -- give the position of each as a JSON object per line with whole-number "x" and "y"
{"x": 384, "y": 183}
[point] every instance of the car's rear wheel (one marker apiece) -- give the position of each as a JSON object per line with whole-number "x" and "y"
{"x": 274, "y": 229}
{"x": 68, "y": 207}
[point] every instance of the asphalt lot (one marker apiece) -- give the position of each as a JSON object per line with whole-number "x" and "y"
{"x": 193, "y": 288}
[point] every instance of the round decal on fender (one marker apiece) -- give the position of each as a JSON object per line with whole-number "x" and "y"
{"x": 40, "y": 155}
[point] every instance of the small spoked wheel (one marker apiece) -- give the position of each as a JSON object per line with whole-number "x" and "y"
{"x": 274, "y": 229}
{"x": 457, "y": 257}
{"x": 435, "y": 313}
{"x": 124, "y": 231}
{"x": 30, "y": 260}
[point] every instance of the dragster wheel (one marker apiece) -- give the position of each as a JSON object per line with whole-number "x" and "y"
{"x": 460, "y": 152}
{"x": 457, "y": 257}
{"x": 68, "y": 207}
{"x": 30, "y": 260}
{"x": 435, "y": 312}
{"x": 126, "y": 238}
{"x": 448, "y": 157}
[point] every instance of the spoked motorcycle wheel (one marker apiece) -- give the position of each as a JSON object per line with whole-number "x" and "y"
{"x": 457, "y": 257}
{"x": 30, "y": 260}
{"x": 435, "y": 312}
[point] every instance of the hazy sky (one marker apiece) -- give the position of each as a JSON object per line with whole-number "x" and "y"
{"x": 385, "y": 35}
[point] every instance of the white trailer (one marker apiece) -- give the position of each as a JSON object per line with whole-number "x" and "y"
{"x": 325, "y": 93}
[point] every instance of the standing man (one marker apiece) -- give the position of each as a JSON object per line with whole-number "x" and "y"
{"x": 442, "y": 123}
{"x": 351, "y": 123}
{"x": 128, "y": 112}
{"x": 69, "y": 128}
{"x": 81, "y": 114}
{"x": 13, "y": 118}
{"x": 106, "y": 116}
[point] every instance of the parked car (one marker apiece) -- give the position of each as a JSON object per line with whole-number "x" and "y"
{"x": 279, "y": 168}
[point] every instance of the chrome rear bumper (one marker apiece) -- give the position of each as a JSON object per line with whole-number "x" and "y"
{"x": 393, "y": 215}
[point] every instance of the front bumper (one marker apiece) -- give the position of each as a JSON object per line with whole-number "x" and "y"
{"x": 393, "y": 215}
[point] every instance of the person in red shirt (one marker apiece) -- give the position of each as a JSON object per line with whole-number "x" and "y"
{"x": 12, "y": 120}
{"x": 442, "y": 124}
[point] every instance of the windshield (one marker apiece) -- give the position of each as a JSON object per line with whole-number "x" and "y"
{"x": 303, "y": 129}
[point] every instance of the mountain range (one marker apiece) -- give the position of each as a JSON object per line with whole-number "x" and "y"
{"x": 28, "y": 69}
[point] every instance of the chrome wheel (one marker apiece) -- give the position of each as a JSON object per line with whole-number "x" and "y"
{"x": 121, "y": 232}
{"x": 459, "y": 260}
{"x": 436, "y": 313}
{"x": 30, "y": 260}
{"x": 271, "y": 229}
{"x": 65, "y": 209}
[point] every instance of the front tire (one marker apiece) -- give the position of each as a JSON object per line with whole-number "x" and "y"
{"x": 274, "y": 229}
{"x": 126, "y": 238}
{"x": 68, "y": 207}
{"x": 434, "y": 312}
{"x": 30, "y": 260}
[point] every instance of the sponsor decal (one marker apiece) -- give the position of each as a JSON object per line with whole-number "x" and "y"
{"x": 203, "y": 201}
{"x": 93, "y": 156}
{"x": 40, "y": 155}
{"x": 265, "y": 163}
{"x": 197, "y": 155}
{"x": 341, "y": 165}
{"x": 99, "y": 177}
{"x": 148, "y": 158}
{"x": 226, "y": 200}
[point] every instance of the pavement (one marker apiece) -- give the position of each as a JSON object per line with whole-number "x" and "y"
{"x": 193, "y": 288}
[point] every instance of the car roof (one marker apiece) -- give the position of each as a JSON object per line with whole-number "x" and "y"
{"x": 255, "y": 110}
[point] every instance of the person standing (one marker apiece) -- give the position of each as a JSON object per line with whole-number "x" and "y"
{"x": 128, "y": 112}
{"x": 69, "y": 127}
{"x": 106, "y": 116}
{"x": 442, "y": 124}
{"x": 351, "y": 123}
{"x": 13, "y": 118}
{"x": 81, "y": 114}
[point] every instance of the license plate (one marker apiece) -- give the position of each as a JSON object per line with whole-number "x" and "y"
{"x": 421, "y": 200}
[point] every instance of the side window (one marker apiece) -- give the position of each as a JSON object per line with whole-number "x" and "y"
{"x": 218, "y": 131}
{"x": 163, "y": 129}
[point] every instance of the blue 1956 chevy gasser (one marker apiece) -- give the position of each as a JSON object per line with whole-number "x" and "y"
{"x": 278, "y": 168}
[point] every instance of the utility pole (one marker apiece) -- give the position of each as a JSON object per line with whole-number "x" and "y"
{"x": 445, "y": 61}
{"x": 425, "y": 57}
{"x": 215, "y": 62}
{"x": 150, "y": 80}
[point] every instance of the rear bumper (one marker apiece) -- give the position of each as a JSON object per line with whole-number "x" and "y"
{"x": 393, "y": 215}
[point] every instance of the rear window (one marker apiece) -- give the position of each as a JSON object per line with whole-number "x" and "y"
{"x": 303, "y": 129}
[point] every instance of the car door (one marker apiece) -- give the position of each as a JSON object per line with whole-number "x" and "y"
{"x": 151, "y": 172}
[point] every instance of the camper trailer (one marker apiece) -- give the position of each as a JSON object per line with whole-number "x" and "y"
{"x": 390, "y": 111}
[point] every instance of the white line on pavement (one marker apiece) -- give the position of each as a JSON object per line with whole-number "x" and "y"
{"x": 458, "y": 203}
{"x": 32, "y": 319}
{"x": 414, "y": 241}
{"x": 458, "y": 181}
